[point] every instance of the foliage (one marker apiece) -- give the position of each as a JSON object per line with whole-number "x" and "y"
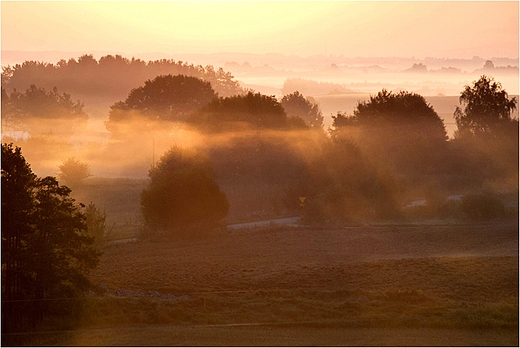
{"x": 487, "y": 110}
{"x": 182, "y": 193}
{"x": 45, "y": 252}
{"x": 111, "y": 76}
{"x": 482, "y": 206}
{"x": 73, "y": 171}
{"x": 295, "y": 104}
{"x": 409, "y": 111}
{"x": 252, "y": 110}
{"x": 96, "y": 223}
{"x": 399, "y": 132}
{"x": 340, "y": 186}
{"x": 40, "y": 111}
{"x": 166, "y": 97}
{"x": 487, "y": 135}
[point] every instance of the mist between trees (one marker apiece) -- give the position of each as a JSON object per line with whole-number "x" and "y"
{"x": 264, "y": 152}
{"x": 206, "y": 157}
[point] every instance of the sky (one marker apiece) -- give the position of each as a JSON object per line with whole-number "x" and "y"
{"x": 454, "y": 29}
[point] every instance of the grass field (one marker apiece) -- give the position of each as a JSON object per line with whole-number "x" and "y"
{"x": 433, "y": 285}
{"x": 119, "y": 198}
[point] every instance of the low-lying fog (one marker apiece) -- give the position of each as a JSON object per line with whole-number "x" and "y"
{"x": 336, "y": 84}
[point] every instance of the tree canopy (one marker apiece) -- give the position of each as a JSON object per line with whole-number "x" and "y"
{"x": 73, "y": 171}
{"x": 487, "y": 134}
{"x": 111, "y": 76}
{"x": 252, "y": 110}
{"x": 295, "y": 104}
{"x": 341, "y": 185}
{"x": 487, "y": 110}
{"x": 166, "y": 98}
{"x": 182, "y": 194}
{"x": 408, "y": 111}
{"x": 40, "y": 111}
{"x": 399, "y": 131}
{"x": 46, "y": 253}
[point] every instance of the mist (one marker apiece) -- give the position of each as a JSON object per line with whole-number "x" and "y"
{"x": 324, "y": 173}
{"x": 335, "y": 84}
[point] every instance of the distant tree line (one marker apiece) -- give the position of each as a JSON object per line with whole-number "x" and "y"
{"x": 110, "y": 76}
{"x": 38, "y": 110}
{"x": 363, "y": 167}
{"x": 311, "y": 87}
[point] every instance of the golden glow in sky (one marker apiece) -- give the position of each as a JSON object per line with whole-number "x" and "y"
{"x": 405, "y": 29}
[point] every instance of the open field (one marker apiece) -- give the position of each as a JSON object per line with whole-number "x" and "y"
{"x": 369, "y": 285}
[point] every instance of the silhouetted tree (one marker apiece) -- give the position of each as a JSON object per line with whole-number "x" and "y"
{"x": 182, "y": 194}
{"x": 487, "y": 110}
{"x": 73, "y": 171}
{"x": 112, "y": 76}
{"x": 486, "y": 134}
{"x": 18, "y": 183}
{"x": 341, "y": 186}
{"x": 167, "y": 98}
{"x": 295, "y": 104}
{"x": 417, "y": 68}
{"x": 45, "y": 251}
{"x": 39, "y": 111}
{"x": 400, "y": 132}
{"x": 249, "y": 111}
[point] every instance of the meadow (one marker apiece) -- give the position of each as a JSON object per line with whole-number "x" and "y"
{"x": 385, "y": 284}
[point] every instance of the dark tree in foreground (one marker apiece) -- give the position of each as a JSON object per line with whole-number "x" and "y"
{"x": 182, "y": 195}
{"x": 487, "y": 110}
{"x": 295, "y": 104}
{"x": 46, "y": 254}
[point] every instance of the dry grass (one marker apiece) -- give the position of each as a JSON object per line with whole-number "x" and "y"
{"x": 386, "y": 285}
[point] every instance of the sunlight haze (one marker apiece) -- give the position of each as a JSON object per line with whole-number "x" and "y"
{"x": 370, "y": 29}
{"x": 260, "y": 173}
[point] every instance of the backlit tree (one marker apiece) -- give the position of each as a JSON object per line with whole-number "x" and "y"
{"x": 487, "y": 110}
{"x": 46, "y": 253}
{"x": 182, "y": 194}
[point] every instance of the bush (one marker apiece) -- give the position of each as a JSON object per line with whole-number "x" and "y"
{"x": 482, "y": 206}
{"x": 96, "y": 223}
{"x": 73, "y": 172}
{"x": 182, "y": 195}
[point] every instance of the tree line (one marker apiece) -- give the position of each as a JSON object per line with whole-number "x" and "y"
{"x": 109, "y": 76}
{"x": 394, "y": 142}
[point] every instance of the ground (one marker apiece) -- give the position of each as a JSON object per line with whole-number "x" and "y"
{"x": 409, "y": 284}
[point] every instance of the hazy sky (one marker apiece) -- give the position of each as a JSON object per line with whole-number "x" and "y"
{"x": 368, "y": 29}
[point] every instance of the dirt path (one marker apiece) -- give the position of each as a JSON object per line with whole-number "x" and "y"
{"x": 283, "y": 221}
